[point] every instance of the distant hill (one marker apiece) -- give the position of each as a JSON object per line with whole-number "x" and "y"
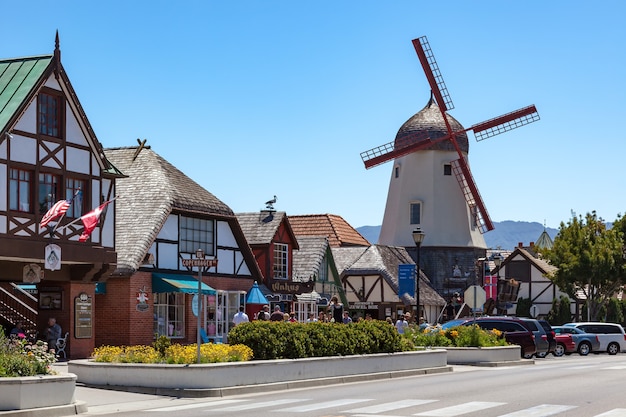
{"x": 506, "y": 235}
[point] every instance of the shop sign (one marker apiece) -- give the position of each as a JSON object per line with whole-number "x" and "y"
{"x": 282, "y": 287}
{"x": 32, "y": 274}
{"x": 83, "y": 317}
{"x": 52, "y": 258}
{"x": 142, "y": 300}
{"x": 363, "y": 306}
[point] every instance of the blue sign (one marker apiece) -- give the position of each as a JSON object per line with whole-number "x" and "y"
{"x": 406, "y": 280}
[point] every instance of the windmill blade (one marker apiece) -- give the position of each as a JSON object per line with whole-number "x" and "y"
{"x": 472, "y": 196}
{"x": 431, "y": 69}
{"x": 504, "y": 123}
{"x": 399, "y": 147}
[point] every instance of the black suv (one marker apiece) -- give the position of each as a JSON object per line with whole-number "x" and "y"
{"x": 514, "y": 330}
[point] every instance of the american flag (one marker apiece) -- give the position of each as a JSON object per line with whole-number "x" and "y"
{"x": 57, "y": 210}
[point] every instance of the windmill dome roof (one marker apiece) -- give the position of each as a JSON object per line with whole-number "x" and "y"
{"x": 430, "y": 119}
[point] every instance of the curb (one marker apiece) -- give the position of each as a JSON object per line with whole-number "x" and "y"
{"x": 78, "y": 407}
{"x": 275, "y": 386}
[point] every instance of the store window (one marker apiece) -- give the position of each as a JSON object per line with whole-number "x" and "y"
{"x": 48, "y": 191}
{"x": 197, "y": 234}
{"x": 74, "y": 191}
{"x": 49, "y": 115}
{"x": 169, "y": 314}
{"x": 281, "y": 256}
{"x": 20, "y": 183}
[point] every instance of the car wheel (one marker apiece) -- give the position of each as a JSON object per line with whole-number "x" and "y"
{"x": 613, "y": 349}
{"x": 527, "y": 355}
{"x": 559, "y": 350}
{"x": 584, "y": 348}
{"x": 541, "y": 354}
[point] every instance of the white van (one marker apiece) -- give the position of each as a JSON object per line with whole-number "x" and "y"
{"x": 611, "y": 335}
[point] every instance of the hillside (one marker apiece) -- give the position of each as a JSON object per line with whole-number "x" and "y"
{"x": 506, "y": 235}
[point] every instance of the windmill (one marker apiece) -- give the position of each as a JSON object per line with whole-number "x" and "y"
{"x": 455, "y": 219}
{"x": 484, "y": 130}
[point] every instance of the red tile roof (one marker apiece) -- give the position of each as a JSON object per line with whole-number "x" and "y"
{"x": 335, "y": 228}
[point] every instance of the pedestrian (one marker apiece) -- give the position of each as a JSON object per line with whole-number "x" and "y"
{"x": 264, "y": 314}
{"x": 18, "y": 331}
{"x": 311, "y": 318}
{"x": 286, "y": 317}
{"x": 53, "y": 333}
{"x": 277, "y": 315}
{"x": 322, "y": 317}
{"x": 403, "y": 322}
{"x": 292, "y": 317}
{"x": 335, "y": 310}
{"x": 346, "y": 318}
{"x": 240, "y": 317}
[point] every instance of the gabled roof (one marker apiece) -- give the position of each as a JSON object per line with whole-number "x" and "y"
{"x": 154, "y": 188}
{"x": 19, "y": 80}
{"x": 338, "y": 231}
{"x": 308, "y": 259}
{"x": 261, "y": 227}
{"x": 543, "y": 266}
{"x": 544, "y": 241}
{"x": 384, "y": 261}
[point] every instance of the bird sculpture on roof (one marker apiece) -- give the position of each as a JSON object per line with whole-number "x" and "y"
{"x": 270, "y": 204}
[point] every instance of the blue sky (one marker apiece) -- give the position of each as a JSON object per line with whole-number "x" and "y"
{"x": 253, "y": 99}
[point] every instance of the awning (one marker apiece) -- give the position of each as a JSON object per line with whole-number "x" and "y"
{"x": 178, "y": 283}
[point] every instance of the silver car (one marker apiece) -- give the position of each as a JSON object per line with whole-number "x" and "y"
{"x": 611, "y": 335}
{"x": 585, "y": 342}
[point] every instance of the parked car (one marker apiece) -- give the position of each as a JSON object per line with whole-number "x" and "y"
{"x": 544, "y": 336}
{"x": 611, "y": 335}
{"x": 564, "y": 344}
{"x": 585, "y": 342}
{"x": 514, "y": 330}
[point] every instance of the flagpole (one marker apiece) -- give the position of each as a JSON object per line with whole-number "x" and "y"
{"x": 78, "y": 218}
{"x": 63, "y": 215}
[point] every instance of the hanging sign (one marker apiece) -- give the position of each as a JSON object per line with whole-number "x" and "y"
{"x": 32, "y": 274}
{"x": 52, "y": 258}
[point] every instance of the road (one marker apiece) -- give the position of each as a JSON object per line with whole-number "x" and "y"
{"x": 572, "y": 386}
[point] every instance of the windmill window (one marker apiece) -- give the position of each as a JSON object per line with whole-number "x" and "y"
{"x": 415, "y": 213}
{"x": 396, "y": 172}
{"x": 447, "y": 169}
{"x": 49, "y": 115}
{"x": 20, "y": 186}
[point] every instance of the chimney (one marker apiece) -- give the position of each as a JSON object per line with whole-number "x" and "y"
{"x": 532, "y": 244}
{"x": 520, "y": 244}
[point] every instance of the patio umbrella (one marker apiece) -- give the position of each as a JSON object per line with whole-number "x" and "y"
{"x": 255, "y": 296}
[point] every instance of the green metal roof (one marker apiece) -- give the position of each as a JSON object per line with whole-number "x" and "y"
{"x": 18, "y": 77}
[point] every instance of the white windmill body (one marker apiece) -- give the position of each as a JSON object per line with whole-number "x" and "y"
{"x": 423, "y": 181}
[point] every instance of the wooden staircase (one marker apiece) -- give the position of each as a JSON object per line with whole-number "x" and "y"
{"x": 18, "y": 305}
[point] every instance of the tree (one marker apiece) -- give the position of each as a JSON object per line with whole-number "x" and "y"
{"x": 590, "y": 259}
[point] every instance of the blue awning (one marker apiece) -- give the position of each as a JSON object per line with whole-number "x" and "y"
{"x": 178, "y": 283}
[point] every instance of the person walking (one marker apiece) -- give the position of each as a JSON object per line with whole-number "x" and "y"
{"x": 335, "y": 310}
{"x": 403, "y": 322}
{"x": 346, "y": 318}
{"x": 277, "y": 315}
{"x": 240, "y": 317}
{"x": 264, "y": 314}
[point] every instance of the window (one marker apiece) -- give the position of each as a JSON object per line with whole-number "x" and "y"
{"x": 281, "y": 255}
{"x": 48, "y": 191}
{"x": 49, "y": 115}
{"x": 416, "y": 215}
{"x": 396, "y": 172}
{"x": 20, "y": 183}
{"x": 169, "y": 314}
{"x": 323, "y": 271}
{"x": 196, "y": 234}
{"x": 74, "y": 190}
{"x": 447, "y": 169}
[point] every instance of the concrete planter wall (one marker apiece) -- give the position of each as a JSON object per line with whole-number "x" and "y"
{"x": 237, "y": 374}
{"x": 36, "y": 391}
{"x": 483, "y": 355}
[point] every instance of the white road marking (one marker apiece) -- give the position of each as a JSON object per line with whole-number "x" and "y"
{"x": 457, "y": 410}
{"x": 542, "y": 410}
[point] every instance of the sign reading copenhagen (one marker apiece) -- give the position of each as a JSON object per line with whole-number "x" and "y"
{"x": 209, "y": 262}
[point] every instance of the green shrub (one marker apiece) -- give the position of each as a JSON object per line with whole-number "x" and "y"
{"x": 278, "y": 340}
{"x": 459, "y": 336}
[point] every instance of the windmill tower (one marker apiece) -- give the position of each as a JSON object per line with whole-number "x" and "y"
{"x": 432, "y": 187}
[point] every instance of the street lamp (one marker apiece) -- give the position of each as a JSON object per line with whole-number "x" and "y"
{"x": 418, "y": 238}
{"x": 497, "y": 260}
{"x": 199, "y": 255}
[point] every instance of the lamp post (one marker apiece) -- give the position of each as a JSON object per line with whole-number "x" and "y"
{"x": 418, "y": 238}
{"x": 497, "y": 260}
{"x": 199, "y": 255}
